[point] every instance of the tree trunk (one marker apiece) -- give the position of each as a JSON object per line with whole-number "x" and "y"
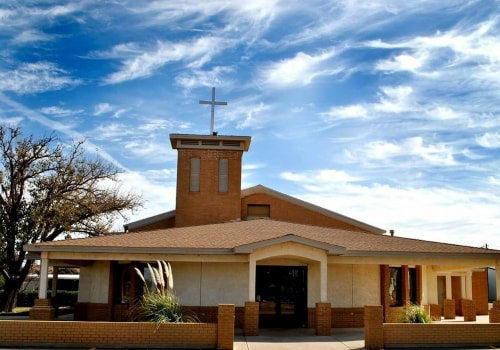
{"x": 9, "y": 300}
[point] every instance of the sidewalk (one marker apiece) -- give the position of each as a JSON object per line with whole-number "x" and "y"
{"x": 300, "y": 339}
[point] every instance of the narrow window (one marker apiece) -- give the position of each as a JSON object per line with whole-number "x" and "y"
{"x": 223, "y": 175}
{"x": 395, "y": 286}
{"x": 258, "y": 211}
{"x": 194, "y": 181}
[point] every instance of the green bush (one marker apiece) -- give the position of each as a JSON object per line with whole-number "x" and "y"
{"x": 159, "y": 303}
{"x": 66, "y": 298}
{"x": 415, "y": 314}
{"x": 26, "y": 298}
{"x": 162, "y": 308}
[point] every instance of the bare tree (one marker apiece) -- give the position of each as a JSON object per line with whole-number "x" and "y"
{"x": 49, "y": 191}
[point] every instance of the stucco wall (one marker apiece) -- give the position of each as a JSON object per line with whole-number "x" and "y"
{"x": 94, "y": 282}
{"x": 210, "y": 283}
{"x": 353, "y": 285}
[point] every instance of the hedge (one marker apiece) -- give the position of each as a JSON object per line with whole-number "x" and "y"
{"x": 26, "y": 298}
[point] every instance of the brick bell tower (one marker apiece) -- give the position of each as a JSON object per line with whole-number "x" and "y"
{"x": 208, "y": 175}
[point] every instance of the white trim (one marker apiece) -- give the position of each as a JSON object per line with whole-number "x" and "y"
{"x": 330, "y": 249}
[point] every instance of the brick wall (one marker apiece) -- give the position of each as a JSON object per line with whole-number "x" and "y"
{"x": 93, "y": 334}
{"x": 440, "y": 334}
{"x": 225, "y": 327}
{"x": 323, "y": 319}
{"x": 379, "y": 335}
{"x": 215, "y": 206}
{"x": 286, "y": 211}
{"x": 341, "y": 317}
{"x": 480, "y": 291}
{"x": 449, "y": 309}
{"x": 347, "y": 317}
{"x": 374, "y": 331}
{"x": 251, "y": 318}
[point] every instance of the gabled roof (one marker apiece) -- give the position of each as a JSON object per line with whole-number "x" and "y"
{"x": 149, "y": 220}
{"x": 240, "y": 237}
{"x": 259, "y": 189}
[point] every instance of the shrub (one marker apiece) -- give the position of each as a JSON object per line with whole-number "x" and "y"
{"x": 159, "y": 303}
{"x": 415, "y": 314}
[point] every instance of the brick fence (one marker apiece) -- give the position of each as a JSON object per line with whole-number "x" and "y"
{"x": 379, "y": 335}
{"x": 85, "y": 334}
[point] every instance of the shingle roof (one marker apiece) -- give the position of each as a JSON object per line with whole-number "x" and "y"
{"x": 227, "y": 237}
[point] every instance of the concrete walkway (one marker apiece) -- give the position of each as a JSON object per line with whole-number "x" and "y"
{"x": 300, "y": 339}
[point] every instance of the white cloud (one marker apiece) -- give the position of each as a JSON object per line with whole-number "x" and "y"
{"x": 103, "y": 108}
{"x": 31, "y": 36}
{"x": 438, "y": 154}
{"x": 403, "y": 62}
{"x": 445, "y": 215}
{"x": 394, "y": 99}
{"x": 196, "y": 77}
{"x": 346, "y": 112}
{"x": 157, "y": 188}
{"x": 38, "y": 77}
{"x": 300, "y": 70}
{"x": 59, "y": 112}
{"x": 489, "y": 140}
{"x": 194, "y": 53}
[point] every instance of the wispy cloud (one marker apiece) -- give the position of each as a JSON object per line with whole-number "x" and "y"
{"x": 31, "y": 36}
{"x": 37, "y": 77}
{"x": 299, "y": 70}
{"x": 489, "y": 140}
{"x": 60, "y": 112}
{"x": 193, "y": 53}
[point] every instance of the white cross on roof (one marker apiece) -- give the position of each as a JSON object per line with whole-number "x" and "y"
{"x": 213, "y": 103}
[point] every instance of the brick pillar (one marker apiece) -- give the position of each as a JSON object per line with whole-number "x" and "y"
{"x": 405, "y": 276}
{"x": 435, "y": 312}
{"x": 384, "y": 289}
{"x": 225, "y": 327}
{"x": 374, "y": 327}
{"x": 468, "y": 310}
{"x": 449, "y": 309}
{"x": 494, "y": 312}
{"x": 251, "y": 318}
{"x": 323, "y": 319}
{"x": 43, "y": 310}
{"x": 419, "y": 285}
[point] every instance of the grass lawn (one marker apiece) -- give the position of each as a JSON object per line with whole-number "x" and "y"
{"x": 18, "y": 311}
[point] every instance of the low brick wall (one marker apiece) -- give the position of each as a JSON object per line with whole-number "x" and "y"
{"x": 440, "y": 334}
{"x": 84, "y": 334}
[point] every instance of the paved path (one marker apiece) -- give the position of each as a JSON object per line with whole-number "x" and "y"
{"x": 301, "y": 339}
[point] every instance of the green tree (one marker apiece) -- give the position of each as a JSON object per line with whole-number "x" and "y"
{"x": 49, "y": 191}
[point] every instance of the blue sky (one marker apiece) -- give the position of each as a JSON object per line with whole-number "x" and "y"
{"x": 385, "y": 111}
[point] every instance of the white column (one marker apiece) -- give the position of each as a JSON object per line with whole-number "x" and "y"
{"x": 448, "y": 286}
{"x": 251, "y": 278}
{"x": 468, "y": 285}
{"x": 44, "y": 277}
{"x": 323, "y": 279}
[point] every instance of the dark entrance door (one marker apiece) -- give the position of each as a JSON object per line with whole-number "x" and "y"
{"x": 282, "y": 293}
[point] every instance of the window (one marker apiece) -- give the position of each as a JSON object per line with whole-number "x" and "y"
{"x": 194, "y": 180}
{"x": 395, "y": 286}
{"x": 258, "y": 211}
{"x": 223, "y": 175}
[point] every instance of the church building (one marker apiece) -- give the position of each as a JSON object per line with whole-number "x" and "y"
{"x": 267, "y": 253}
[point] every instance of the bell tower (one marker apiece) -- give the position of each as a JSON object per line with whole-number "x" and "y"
{"x": 208, "y": 175}
{"x": 208, "y": 178}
